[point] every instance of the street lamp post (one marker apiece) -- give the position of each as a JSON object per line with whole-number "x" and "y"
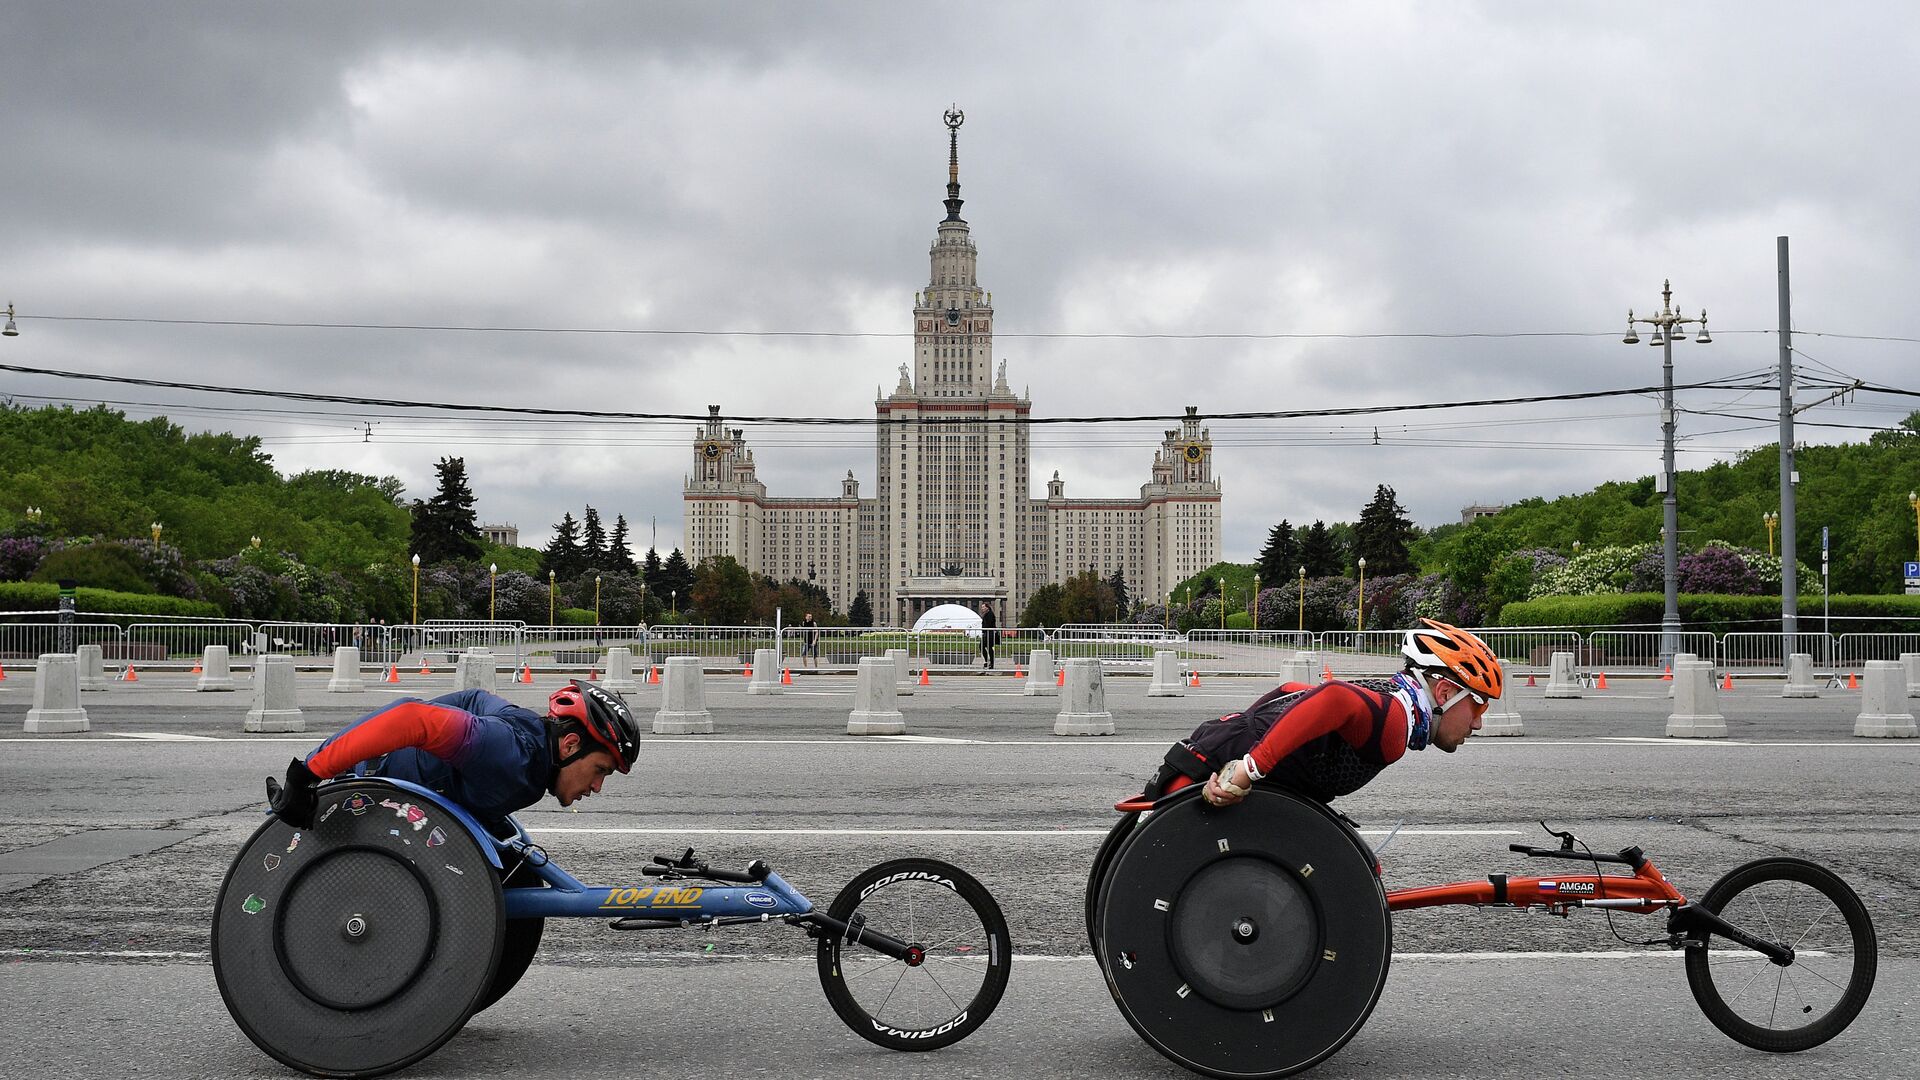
{"x": 156, "y": 532}
{"x": 493, "y": 572}
{"x": 416, "y": 589}
{"x": 1913, "y": 500}
{"x": 674, "y": 596}
{"x": 1665, "y": 326}
{"x": 1256, "y": 603}
{"x": 256, "y": 542}
{"x": 1303, "y": 599}
{"x": 1770, "y": 519}
{"x": 596, "y": 599}
{"x": 1363, "y": 597}
{"x": 550, "y": 586}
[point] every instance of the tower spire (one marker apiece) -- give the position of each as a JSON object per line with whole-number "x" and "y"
{"x": 954, "y": 118}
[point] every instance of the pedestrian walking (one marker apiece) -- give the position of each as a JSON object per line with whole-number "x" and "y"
{"x": 989, "y": 635}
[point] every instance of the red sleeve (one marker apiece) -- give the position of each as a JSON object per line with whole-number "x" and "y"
{"x": 1330, "y": 708}
{"x": 440, "y": 730}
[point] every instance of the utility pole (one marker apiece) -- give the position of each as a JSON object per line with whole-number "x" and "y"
{"x": 1666, "y": 325}
{"x": 1789, "y": 583}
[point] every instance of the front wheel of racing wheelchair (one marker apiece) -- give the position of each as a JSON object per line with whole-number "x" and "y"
{"x": 1242, "y": 941}
{"x": 359, "y": 946}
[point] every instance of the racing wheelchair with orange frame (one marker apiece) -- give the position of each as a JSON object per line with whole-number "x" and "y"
{"x": 1253, "y": 940}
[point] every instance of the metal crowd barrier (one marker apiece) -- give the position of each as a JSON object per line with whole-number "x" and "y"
{"x": 1239, "y": 652}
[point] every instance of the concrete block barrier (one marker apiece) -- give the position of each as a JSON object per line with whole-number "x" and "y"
{"x": 1041, "y": 674}
{"x": 216, "y": 669}
{"x": 1084, "y": 706}
{"x": 683, "y": 696}
{"x": 1800, "y": 682}
{"x": 475, "y": 670}
{"x": 1883, "y": 706}
{"x": 56, "y": 696}
{"x": 1696, "y": 704}
{"x": 1166, "y": 675}
{"x": 346, "y": 671}
{"x": 1561, "y": 682}
{"x": 766, "y": 673}
{"x": 93, "y": 672}
{"x": 1501, "y": 717}
{"x": 902, "y": 675}
{"x": 1678, "y": 659}
{"x": 1910, "y": 661}
{"x": 1299, "y": 668}
{"x": 619, "y": 676}
{"x": 875, "y": 710}
{"x": 275, "y": 707}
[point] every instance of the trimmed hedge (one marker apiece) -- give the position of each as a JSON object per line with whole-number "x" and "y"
{"x": 1716, "y": 613}
{"x": 45, "y": 596}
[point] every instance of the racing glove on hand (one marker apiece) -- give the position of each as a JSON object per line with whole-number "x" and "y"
{"x": 294, "y": 803}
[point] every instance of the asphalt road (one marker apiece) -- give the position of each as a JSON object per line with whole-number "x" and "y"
{"x": 113, "y": 843}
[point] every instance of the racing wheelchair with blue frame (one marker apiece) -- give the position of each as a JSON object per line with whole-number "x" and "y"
{"x": 361, "y": 945}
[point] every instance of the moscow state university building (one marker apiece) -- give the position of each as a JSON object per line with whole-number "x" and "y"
{"x": 952, "y": 519}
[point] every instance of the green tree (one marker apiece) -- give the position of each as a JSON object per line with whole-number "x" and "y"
{"x": 1382, "y": 534}
{"x": 593, "y": 540}
{"x": 1086, "y": 599}
{"x": 443, "y": 527}
{"x": 1044, "y": 607}
{"x": 619, "y": 555}
{"x": 1117, "y": 584}
{"x": 677, "y": 577}
{"x": 650, "y": 569}
{"x": 563, "y": 557}
{"x": 1318, "y": 553}
{"x": 723, "y": 591}
{"x": 1280, "y": 559}
{"x": 860, "y": 612}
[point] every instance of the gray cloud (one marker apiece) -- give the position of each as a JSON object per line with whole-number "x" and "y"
{"x": 1132, "y": 168}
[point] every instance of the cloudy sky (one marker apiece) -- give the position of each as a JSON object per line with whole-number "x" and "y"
{"x": 1241, "y": 207}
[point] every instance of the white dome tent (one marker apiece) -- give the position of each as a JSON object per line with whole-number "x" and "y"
{"x": 950, "y": 617}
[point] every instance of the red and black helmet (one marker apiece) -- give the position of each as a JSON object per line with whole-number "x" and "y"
{"x": 602, "y": 716}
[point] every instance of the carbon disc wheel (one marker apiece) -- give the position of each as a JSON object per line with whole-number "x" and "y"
{"x": 1244, "y": 941}
{"x": 361, "y": 945}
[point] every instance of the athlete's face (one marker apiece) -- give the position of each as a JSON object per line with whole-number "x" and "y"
{"x": 1451, "y": 727}
{"x": 583, "y": 777}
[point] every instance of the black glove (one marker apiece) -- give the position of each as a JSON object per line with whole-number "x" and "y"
{"x": 294, "y": 804}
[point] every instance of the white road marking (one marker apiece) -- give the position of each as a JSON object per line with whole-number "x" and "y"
{"x": 628, "y": 831}
{"x": 161, "y": 736}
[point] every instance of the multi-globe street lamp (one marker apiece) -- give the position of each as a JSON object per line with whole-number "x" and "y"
{"x": 1666, "y": 326}
{"x": 1771, "y": 520}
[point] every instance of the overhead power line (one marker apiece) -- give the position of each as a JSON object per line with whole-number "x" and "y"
{"x": 1272, "y": 414}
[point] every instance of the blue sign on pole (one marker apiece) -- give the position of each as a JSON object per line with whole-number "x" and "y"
{"x": 1823, "y": 541}
{"x": 1913, "y": 570}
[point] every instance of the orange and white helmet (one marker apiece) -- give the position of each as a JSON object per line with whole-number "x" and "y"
{"x": 1448, "y": 652}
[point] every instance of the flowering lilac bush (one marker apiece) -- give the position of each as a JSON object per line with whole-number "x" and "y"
{"x": 20, "y": 556}
{"x": 1609, "y": 569}
{"x": 1717, "y": 568}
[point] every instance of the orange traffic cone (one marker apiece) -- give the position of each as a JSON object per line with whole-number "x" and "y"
{"x": 1531, "y": 681}
{"x": 653, "y": 674}
{"x": 746, "y": 672}
{"x": 924, "y": 681}
{"x": 593, "y": 674}
{"x": 196, "y": 670}
{"x": 1601, "y": 682}
{"x": 424, "y": 669}
{"x": 786, "y": 676}
{"x": 1668, "y": 677}
{"x": 3, "y": 673}
{"x": 1853, "y": 681}
{"x": 1326, "y": 672}
{"x": 1017, "y": 673}
{"x": 526, "y": 673}
{"x": 1193, "y": 677}
{"x": 131, "y": 675}
{"x": 1726, "y": 681}
{"x": 393, "y": 673}
{"x": 1060, "y": 676}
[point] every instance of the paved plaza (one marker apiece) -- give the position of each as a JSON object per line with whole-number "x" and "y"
{"x": 113, "y": 843}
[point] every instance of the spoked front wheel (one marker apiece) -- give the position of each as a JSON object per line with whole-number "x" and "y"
{"x": 951, "y": 981}
{"x": 1784, "y": 1008}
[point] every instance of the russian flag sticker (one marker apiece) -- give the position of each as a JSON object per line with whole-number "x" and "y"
{"x": 1550, "y": 886}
